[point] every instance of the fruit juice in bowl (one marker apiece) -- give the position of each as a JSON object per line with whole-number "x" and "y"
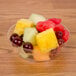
{"x": 37, "y": 38}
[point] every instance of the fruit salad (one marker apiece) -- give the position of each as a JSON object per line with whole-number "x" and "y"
{"x": 38, "y": 37}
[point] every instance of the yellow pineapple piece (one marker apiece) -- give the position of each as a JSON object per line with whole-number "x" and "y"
{"x": 21, "y": 25}
{"x": 47, "y": 40}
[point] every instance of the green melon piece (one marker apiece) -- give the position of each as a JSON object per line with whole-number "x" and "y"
{"x": 23, "y": 54}
{"x": 30, "y": 35}
{"x": 36, "y": 18}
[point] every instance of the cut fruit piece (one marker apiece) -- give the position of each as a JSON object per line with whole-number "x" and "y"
{"x": 60, "y": 42}
{"x": 44, "y": 25}
{"x": 53, "y": 53}
{"x": 36, "y": 18}
{"x": 39, "y": 56}
{"x": 30, "y": 35}
{"x": 62, "y": 32}
{"x": 55, "y": 20}
{"x": 66, "y": 35}
{"x": 23, "y": 54}
{"x": 59, "y": 27}
{"x": 27, "y": 47}
{"x": 18, "y": 31}
{"x": 21, "y": 25}
{"x": 47, "y": 40}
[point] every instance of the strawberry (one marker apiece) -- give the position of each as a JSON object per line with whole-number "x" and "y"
{"x": 66, "y": 35}
{"x": 44, "y": 25}
{"x": 62, "y": 33}
{"x": 39, "y": 26}
{"x": 55, "y": 20}
{"x": 59, "y": 27}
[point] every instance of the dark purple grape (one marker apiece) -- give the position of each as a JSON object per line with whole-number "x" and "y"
{"x": 53, "y": 53}
{"x": 59, "y": 34}
{"x": 17, "y": 41}
{"x": 60, "y": 41}
{"x": 28, "y": 47}
{"x": 12, "y": 37}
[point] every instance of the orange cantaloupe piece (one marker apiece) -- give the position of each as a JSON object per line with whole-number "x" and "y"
{"x": 39, "y": 56}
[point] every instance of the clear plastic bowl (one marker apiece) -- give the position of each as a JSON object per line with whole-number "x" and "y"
{"x": 21, "y": 52}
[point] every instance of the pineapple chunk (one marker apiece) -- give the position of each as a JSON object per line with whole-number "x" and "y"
{"x": 21, "y": 25}
{"x": 47, "y": 40}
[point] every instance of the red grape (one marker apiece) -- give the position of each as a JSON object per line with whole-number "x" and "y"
{"x": 59, "y": 34}
{"x": 28, "y": 47}
{"x": 17, "y": 41}
{"x": 12, "y": 37}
